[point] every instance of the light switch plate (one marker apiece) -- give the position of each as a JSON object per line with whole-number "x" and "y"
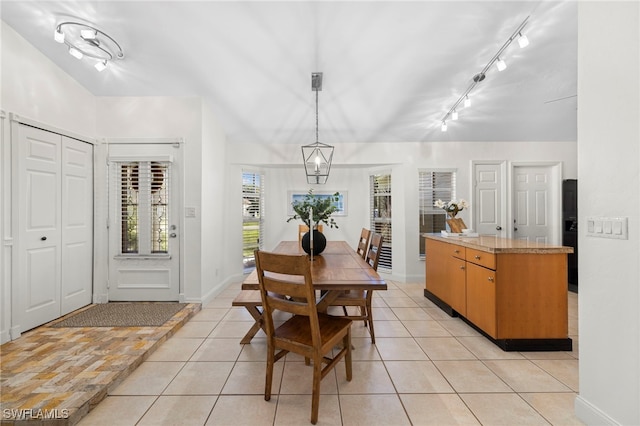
{"x": 608, "y": 227}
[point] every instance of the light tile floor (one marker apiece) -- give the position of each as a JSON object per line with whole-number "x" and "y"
{"x": 425, "y": 369}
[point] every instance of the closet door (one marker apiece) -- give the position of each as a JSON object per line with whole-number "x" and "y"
{"x": 39, "y": 234}
{"x": 54, "y": 222}
{"x": 77, "y": 224}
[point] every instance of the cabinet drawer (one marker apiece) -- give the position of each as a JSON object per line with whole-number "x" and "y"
{"x": 482, "y": 258}
{"x": 458, "y": 251}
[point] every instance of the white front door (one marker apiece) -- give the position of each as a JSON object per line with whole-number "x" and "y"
{"x": 489, "y": 217}
{"x": 55, "y": 226}
{"x": 536, "y": 203}
{"x": 144, "y": 206}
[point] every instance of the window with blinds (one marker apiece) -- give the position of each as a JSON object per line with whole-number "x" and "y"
{"x": 252, "y": 216}
{"x": 143, "y": 195}
{"x": 380, "y": 198}
{"x": 437, "y": 184}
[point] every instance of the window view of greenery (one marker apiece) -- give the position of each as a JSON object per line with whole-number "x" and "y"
{"x": 381, "y": 216}
{"x": 432, "y": 186}
{"x": 251, "y": 217}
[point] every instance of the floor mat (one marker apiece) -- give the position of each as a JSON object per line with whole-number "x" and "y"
{"x": 123, "y": 314}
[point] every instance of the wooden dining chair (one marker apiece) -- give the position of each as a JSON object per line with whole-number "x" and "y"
{"x": 363, "y": 299}
{"x": 303, "y": 229}
{"x": 286, "y": 286}
{"x": 363, "y": 242}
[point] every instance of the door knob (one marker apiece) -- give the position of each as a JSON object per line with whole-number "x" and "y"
{"x": 498, "y": 228}
{"x": 173, "y": 235}
{"x": 515, "y": 229}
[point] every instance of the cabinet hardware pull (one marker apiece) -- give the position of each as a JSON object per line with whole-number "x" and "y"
{"x": 461, "y": 267}
{"x": 43, "y": 238}
{"x": 477, "y": 257}
{"x": 456, "y": 251}
{"x": 490, "y": 279}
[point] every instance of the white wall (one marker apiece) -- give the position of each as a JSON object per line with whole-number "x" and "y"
{"x": 353, "y": 164}
{"x": 160, "y": 117}
{"x": 214, "y": 253}
{"x": 34, "y": 88}
{"x": 609, "y": 185}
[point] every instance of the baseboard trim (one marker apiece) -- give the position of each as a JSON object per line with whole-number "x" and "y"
{"x": 590, "y": 414}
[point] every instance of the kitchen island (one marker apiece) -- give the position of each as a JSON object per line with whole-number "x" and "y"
{"x": 513, "y": 291}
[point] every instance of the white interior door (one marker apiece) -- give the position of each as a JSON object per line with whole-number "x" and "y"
{"x": 77, "y": 224}
{"x": 536, "y": 207}
{"x": 55, "y": 226}
{"x": 144, "y": 243}
{"x": 489, "y": 214}
{"x": 39, "y": 229}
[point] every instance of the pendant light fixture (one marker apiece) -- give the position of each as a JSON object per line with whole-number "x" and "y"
{"x": 317, "y": 156}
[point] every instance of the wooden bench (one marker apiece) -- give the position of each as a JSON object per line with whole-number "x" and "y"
{"x": 252, "y": 301}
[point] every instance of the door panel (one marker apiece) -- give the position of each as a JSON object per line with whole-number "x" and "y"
{"x": 533, "y": 204}
{"x": 77, "y": 224}
{"x": 488, "y": 197}
{"x": 38, "y": 227}
{"x": 144, "y": 242}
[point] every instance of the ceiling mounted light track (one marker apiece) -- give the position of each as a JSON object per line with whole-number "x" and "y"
{"x": 523, "y": 41}
{"x": 87, "y": 41}
{"x": 317, "y": 156}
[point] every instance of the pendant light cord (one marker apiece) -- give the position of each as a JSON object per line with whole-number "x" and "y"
{"x": 317, "y": 139}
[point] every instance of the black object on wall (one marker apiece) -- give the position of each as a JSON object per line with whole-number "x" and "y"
{"x": 570, "y": 228}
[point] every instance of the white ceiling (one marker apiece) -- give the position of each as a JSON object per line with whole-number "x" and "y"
{"x": 391, "y": 69}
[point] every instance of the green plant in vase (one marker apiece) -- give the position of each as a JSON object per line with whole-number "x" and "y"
{"x": 321, "y": 206}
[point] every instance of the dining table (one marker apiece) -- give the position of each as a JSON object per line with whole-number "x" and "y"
{"x": 336, "y": 270}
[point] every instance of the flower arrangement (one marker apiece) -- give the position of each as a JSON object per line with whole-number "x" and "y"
{"x": 452, "y": 207}
{"x": 322, "y": 207}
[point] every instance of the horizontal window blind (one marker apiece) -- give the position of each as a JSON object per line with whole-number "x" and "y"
{"x": 252, "y": 216}
{"x": 381, "y": 220}
{"x": 433, "y": 185}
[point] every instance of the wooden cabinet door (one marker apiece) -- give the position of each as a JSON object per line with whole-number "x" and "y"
{"x": 458, "y": 286}
{"x": 481, "y": 298}
{"x": 436, "y": 263}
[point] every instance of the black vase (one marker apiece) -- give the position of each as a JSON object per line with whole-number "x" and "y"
{"x": 319, "y": 242}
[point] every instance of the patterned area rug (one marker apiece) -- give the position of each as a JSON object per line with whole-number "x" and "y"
{"x": 123, "y": 314}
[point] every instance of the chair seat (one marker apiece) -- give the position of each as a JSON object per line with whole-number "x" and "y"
{"x": 297, "y": 329}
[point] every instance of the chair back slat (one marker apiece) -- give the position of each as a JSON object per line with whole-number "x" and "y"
{"x": 373, "y": 255}
{"x": 363, "y": 243}
{"x": 286, "y": 285}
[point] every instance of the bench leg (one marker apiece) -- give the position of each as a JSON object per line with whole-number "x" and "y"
{"x": 259, "y": 324}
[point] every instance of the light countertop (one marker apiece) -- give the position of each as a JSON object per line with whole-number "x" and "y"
{"x": 491, "y": 244}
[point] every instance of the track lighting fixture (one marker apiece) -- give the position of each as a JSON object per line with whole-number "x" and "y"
{"x": 523, "y": 41}
{"x": 87, "y": 41}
